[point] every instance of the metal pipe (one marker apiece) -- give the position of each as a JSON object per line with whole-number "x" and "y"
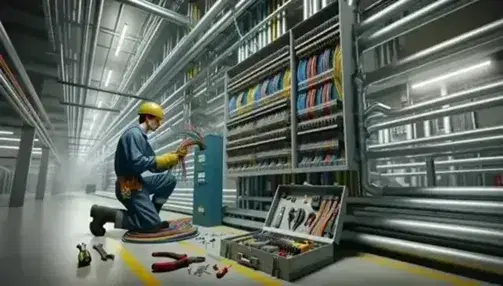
{"x": 442, "y": 254}
{"x": 92, "y": 54}
{"x": 89, "y": 107}
{"x": 431, "y": 178}
{"x": 482, "y": 193}
{"x": 440, "y": 148}
{"x": 444, "y": 172}
{"x": 383, "y": 15}
{"x": 476, "y": 133}
{"x": 456, "y": 47}
{"x": 100, "y": 89}
{"x": 84, "y": 61}
{"x": 27, "y": 113}
{"x": 436, "y": 229}
{"x": 467, "y": 107}
{"x": 486, "y": 89}
{"x": 50, "y": 27}
{"x": 456, "y": 162}
{"x": 413, "y": 21}
{"x": 150, "y": 8}
{"x": 25, "y": 79}
{"x": 446, "y": 205}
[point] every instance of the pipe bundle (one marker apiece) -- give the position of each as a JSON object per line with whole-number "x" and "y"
{"x": 310, "y": 7}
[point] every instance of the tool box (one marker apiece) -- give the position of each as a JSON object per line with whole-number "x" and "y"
{"x": 299, "y": 236}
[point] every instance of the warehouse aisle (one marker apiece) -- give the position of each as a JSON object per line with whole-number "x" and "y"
{"x": 38, "y": 247}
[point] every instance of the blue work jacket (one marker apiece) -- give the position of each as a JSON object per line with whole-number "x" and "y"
{"x": 134, "y": 155}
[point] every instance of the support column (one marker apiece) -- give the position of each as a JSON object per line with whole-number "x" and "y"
{"x": 22, "y": 167}
{"x": 42, "y": 174}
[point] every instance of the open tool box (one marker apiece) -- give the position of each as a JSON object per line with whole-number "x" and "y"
{"x": 303, "y": 226}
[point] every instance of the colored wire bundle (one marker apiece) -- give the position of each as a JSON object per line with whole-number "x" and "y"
{"x": 193, "y": 137}
{"x": 255, "y": 94}
{"x": 338, "y": 71}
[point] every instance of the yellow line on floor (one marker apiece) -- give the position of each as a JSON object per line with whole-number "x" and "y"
{"x": 418, "y": 270}
{"x": 138, "y": 269}
{"x": 256, "y": 276}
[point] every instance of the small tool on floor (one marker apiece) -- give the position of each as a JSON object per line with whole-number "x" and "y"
{"x": 182, "y": 260}
{"x": 104, "y": 255}
{"x": 221, "y": 273}
{"x": 84, "y": 256}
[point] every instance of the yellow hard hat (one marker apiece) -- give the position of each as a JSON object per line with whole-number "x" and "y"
{"x": 151, "y": 108}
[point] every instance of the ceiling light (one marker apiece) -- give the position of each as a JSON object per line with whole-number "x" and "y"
{"x": 109, "y": 76}
{"x": 10, "y": 139}
{"x": 3, "y": 132}
{"x": 451, "y": 75}
{"x": 121, "y": 40}
{"x": 17, "y": 147}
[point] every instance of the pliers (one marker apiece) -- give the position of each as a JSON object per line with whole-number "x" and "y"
{"x": 182, "y": 260}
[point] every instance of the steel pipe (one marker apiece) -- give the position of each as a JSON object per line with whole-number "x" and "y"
{"x": 472, "y": 260}
{"x": 91, "y": 57}
{"x": 473, "y": 193}
{"x": 413, "y": 21}
{"x": 445, "y": 172}
{"x": 25, "y": 79}
{"x": 466, "y": 107}
{"x": 151, "y": 8}
{"x": 436, "y": 229}
{"x": 100, "y": 89}
{"x": 445, "y": 163}
{"x": 460, "y": 206}
{"x": 384, "y": 15}
{"x": 89, "y": 107}
{"x": 467, "y": 44}
{"x": 469, "y": 134}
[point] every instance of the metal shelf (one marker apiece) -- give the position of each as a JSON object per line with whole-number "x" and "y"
{"x": 320, "y": 169}
{"x": 316, "y": 80}
{"x": 272, "y": 140}
{"x": 262, "y": 172}
{"x": 257, "y": 137}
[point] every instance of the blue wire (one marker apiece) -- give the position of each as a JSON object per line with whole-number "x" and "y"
{"x": 319, "y": 96}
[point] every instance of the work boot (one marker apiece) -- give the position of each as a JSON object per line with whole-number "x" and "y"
{"x": 101, "y": 215}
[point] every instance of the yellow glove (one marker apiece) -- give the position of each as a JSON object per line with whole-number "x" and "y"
{"x": 166, "y": 161}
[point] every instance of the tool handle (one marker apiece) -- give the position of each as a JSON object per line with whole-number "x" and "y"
{"x": 170, "y": 266}
{"x": 101, "y": 251}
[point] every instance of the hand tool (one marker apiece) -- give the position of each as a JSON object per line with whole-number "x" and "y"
{"x": 279, "y": 218}
{"x": 84, "y": 257}
{"x": 303, "y": 246}
{"x": 299, "y": 218}
{"x": 291, "y": 217}
{"x": 221, "y": 273}
{"x": 104, "y": 255}
{"x": 310, "y": 219}
{"x": 215, "y": 267}
{"x": 318, "y": 216}
{"x": 315, "y": 203}
{"x": 182, "y": 260}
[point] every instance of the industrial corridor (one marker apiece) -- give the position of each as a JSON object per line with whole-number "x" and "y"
{"x": 251, "y": 142}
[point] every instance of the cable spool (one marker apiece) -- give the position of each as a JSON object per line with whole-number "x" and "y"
{"x": 239, "y": 102}
{"x": 232, "y": 105}
{"x": 311, "y": 101}
{"x": 257, "y": 94}
{"x": 287, "y": 79}
{"x": 319, "y": 96}
{"x": 263, "y": 89}
{"x": 301, "y": 102}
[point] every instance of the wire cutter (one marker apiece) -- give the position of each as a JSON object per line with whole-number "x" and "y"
{"x": 182, "y": 260}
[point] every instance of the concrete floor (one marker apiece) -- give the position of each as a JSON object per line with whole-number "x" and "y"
{"x": 38, "y": 247}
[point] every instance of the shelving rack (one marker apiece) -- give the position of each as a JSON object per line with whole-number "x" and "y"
{"x": 286, "y": 112}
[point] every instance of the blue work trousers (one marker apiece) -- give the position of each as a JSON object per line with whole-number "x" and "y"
{"x": 141, "y": 212}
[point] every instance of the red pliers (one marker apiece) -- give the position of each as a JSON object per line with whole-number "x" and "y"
{"x": 182, "y": 260}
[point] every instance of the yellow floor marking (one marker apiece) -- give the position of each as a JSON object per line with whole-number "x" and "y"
{"x": 418, "y": 270}
{"x": 256, "y": 276}
{"x": 135, "y": 266}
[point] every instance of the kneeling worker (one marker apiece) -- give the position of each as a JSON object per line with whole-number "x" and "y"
{"x": 133, "y": 157}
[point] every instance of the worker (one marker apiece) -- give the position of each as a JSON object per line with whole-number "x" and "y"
{"x": 140, "y": 174}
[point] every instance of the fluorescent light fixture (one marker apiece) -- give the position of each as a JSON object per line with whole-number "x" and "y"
{"x": 109, "y": 76}
{"x": 121, "y": 40}
{"x": 350, "y": 2}
{"x": 3, "y": 132}
{"x": 451, "y": 75}
{"x": 14, "y": 139}
{"x": 17, "y": 148}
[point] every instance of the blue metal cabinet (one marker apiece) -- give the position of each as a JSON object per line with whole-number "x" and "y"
{"x": 208, "y": 183}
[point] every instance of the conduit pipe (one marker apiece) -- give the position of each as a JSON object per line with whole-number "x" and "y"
{"x": 471, "y": 234}
{"x": 84, "y": 62}
{"x": 27, "y": 113}
{"x": 415, "y": 20}
{"x": 442, "y": 254}
{"x": 484, "y": 90}
{"x": 50, "y": 27}
{"x": 92, "y": 55}
{"x": 445, "y": 205}
{"x": 151, "y": 8}
{"x": 469, "y": 134}
{"x": 456, "y": 46}
{"x": 173, "y": 58}
{"x": 384, "y": 15}
{"x": 25, "y": 79}
{"x": 473, "y": 193}
{"x": 467, "y": 107}
{"x": 446, "y": 163}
